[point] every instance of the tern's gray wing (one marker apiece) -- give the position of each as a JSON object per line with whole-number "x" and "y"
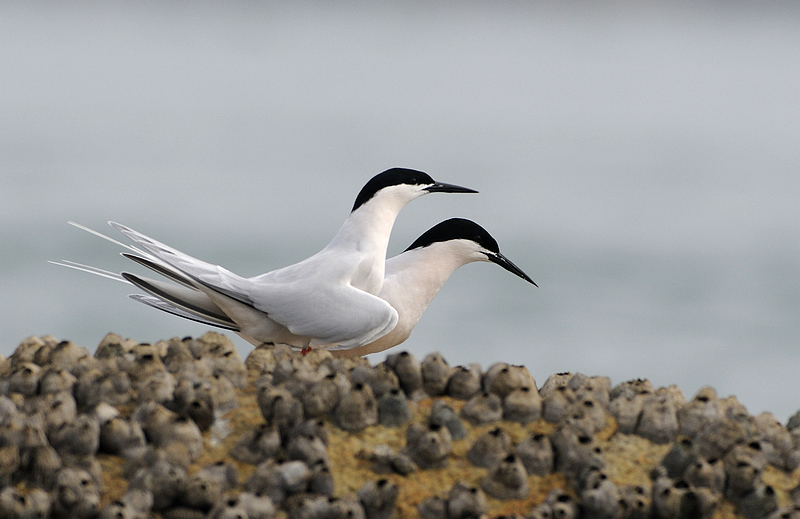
{"x": 336, "y": 314}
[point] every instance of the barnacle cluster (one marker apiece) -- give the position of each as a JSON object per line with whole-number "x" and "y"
{"x": 185, "y": 428}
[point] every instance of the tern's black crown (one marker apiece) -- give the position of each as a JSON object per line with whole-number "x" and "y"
{"x": 391, "y": 177}
{"x": 456, "y": 229}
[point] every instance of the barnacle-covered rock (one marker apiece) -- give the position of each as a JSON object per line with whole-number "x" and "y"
{"x": 600, "y": 496}
{"x": 435, "y": 374}
{"x": 702, "y": 410}
{"x": 321, "y": 480}
{"x": 257, "y": 506}
{"x": 316, "y": 427}
{"x": 408, "y": 370}
{"x": 682, "y": 454}
{"x": 265, "y": 357}
{"x": 393, "y": 409}
{"x": 434, "y": 507}
{"x": 717, "y": 438}
{"x": 164, "y": 480}
{"x": 483, "y": 408}
{"x": 575, "y": 452}
{"x": 378, "y": 498}
{"x": 56, "y": 380}
{"x": 507, "y": 479}
{"x": 428, "y": 446}
{"x": 700, "y": 502}
{"x": 490, "y": 448}
{"x": 626, "y": 411}
{"x": 223, "y": 393}
{"x": 465, "y": 501}
{"x": 635, "y": 501}
{"x": 778, "y": 439}
{"x": 667, "y": 498}
{"x": 257, "y": 445}
{"x": 58, "y": 409}
{"x": 106, "y": 384}
{"x": 523, "y": 405}
{"x": 279, "y": 480}
{"x": 658, "y": 421}
{"x": 557, "y": 403}
{"x": 135, "y": 504}
{"x": 24, "y": 379}
{"x": 536, "y": 453}
{"x": 788, "y": 512}
{"x": 464, "y": 382}
{"x": 80, "y": 437}
{"x": 444, "y": 415}
{"x": 322, "y": 396}
{"x": 562, "y": 504}
{"x": 75, "y": 495}
{"x": 760, "y": 502}
{"x": 279, "y": 407}
{"x": 39, "y": 465}
{"x": 386, "y": 460}
{"x": 381, "y": 379}
{"x": 502, "y": 378}
{"x": 16, "y": 504}
{"x": 9, "y": 463}
{"x": 118, "y": 435}
{"x": 591, "y": 414}
{"x": 345, "y": 507}
{"x": 308, "y": 448}
{"x": 555, "y": 381}
{"x": 744, "y": 465}
{"x": 164, "y": 441}
{"x": 357, "y": 409}
{"x": 228, "y": 507}
{"x": 703, "y": 473}
{"x": 597, "y": 388}
{"x": 205, "y": 488}
{"x": 64, "y": 355}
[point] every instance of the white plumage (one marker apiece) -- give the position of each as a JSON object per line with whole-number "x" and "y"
{"x": 326, "y": 301}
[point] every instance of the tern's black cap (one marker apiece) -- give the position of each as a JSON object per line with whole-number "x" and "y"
{"x": 391, "y": 177}
{"x": 398, "y": 176}
{"x": 456, "y": 229}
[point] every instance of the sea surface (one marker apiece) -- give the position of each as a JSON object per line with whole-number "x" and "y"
{"x": 641, "y": 162}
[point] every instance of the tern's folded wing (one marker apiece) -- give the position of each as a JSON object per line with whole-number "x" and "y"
{"x": 335, "y": 315}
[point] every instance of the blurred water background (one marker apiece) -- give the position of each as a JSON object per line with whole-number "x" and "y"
{"x": 641, "y": 162}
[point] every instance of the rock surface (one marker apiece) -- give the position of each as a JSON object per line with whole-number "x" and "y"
{"x": 186, "y": 429}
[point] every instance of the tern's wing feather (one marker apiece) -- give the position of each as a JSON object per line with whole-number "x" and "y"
{"x": 188, "y": 300}
{"x": 338, "y": 314}
{"x": 168, "y": 273}
{"x": 168, "y": 307}
{"x": 90, "y": 269}
{"x": 212, "y": 276}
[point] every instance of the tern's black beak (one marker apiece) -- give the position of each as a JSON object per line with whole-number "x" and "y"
{"x": 496, "y": 257}
{"x": 441, "y": 187}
